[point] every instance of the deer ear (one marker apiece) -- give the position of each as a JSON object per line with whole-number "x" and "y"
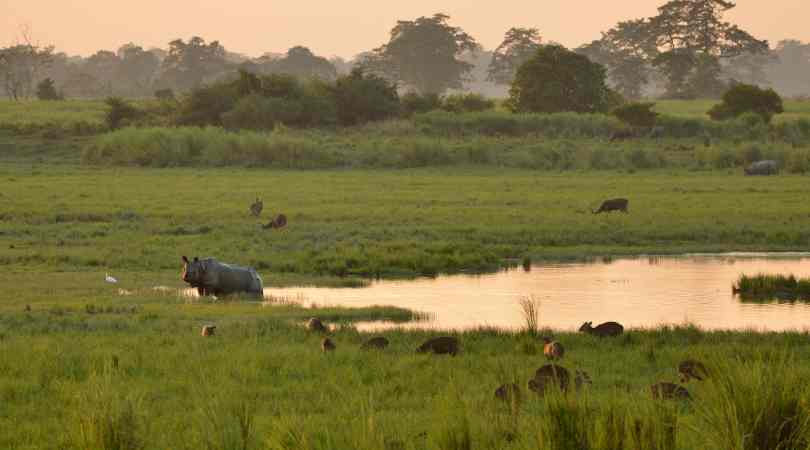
{"x": 185, "y": 260}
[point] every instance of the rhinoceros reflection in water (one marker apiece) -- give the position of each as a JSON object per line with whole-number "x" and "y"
{"x": 212, "y": 277}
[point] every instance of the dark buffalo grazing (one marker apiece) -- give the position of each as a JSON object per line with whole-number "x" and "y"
{"x": 327, "y": 345}
{"x": 669, "y": 391}
{"x": 375, "y": 343}
{"x": 691, "y": 369}
{"x": 279, "y": 222}
{"x": 444, "y": 345}
{"x": 315, "y": 324}
{"x": 620, "y": 135}
{"x": 550, "y": 375}
{"x": 256, "y": 207}
{"x": 767, "y": 167}
{"x": 509, "y": 392}
{"x": 208, "y": 330}
{"x": 602, "y": 330}
{"x": 212, "y": 277}
{"x": 616, "y": 204}
{"x": 553, "y": 350}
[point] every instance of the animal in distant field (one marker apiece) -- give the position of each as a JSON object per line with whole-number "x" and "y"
{"x": 208, "y": 330}
{"x": 212, "y": 277}
{"x": 582, "y": 379}
{"x": 602, "y": 330}
{"x": 508, "y": 392}
{"x": 552, "y": 349}
{"x": 27, "y": 308}
{"x": 692, "y": 369}
{"x": 377, "y": 343}
{"x": 622, "y": 134}
{"x": 550, "y": 375}
{"x": 668, "y": 391}
{"x": 315, "y": 324}
{"x": 256, "y": 207}
{"x": 279, "y": 222}
{"x": 109, "y": 279}
{"x": 616, "y": 204}
{"x": 766, "y": 167}
{"x": 327, "y": 345}
{"x": 444, "y": 345}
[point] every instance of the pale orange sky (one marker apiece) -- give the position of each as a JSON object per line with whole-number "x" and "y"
{"x": 345, "y": 27}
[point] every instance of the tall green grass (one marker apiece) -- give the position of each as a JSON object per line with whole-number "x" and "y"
{"x": 763, "y": 286}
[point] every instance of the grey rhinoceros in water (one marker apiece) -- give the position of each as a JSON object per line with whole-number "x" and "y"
{"x": 212, "y": 277}
{"x": 767, "y": 167}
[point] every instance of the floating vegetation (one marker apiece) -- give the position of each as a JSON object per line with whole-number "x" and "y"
{"x": 763, "y": 286}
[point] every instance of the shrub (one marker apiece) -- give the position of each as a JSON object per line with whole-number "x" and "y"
{"x": 205, "y": 105}
{"x": 46, "y": 90}
{"x": 556, "y": 79}
{"x": 413, "y": 103}
{"x": 361, "y": 98}
{"x": 164, "y": 94}
{"x": 637, "y": 114}
{"x": 120, "y": 113}
{"x": 744, "y": 98}
{"x": 461, "y": 103}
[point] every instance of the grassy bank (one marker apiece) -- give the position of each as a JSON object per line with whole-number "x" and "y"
{"x": 133, "y": 372}
{"x": 381, "y": 223}
{"x": 764, "y": 286}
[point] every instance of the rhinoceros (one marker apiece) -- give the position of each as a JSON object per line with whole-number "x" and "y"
{"x": 212, "y": 277}
{"x": 766, "y": 167}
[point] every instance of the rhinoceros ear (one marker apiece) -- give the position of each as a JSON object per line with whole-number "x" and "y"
{"x": 185, "y": 260}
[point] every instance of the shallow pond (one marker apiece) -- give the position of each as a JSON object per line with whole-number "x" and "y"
{"x": 638, "y": 292}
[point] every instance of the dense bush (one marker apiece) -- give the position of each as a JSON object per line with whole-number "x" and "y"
{"x": 556, "y": 79}
{"x": 637, "y": 114}
{"x": 46, "y": 90}
{"x": 414, "y": 103}
{"x": 361, "y": 98}
{"x": 746, "y": 98}
{"x": 462, "y": 103}
{"x": 120, "y": 113}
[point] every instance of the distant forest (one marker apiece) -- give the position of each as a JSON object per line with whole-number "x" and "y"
{"x": 643, "y": 58}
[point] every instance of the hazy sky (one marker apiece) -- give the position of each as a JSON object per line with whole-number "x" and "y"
{"x": 344, "y": 27}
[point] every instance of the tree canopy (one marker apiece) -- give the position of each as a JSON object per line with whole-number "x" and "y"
{"x": 424, "y": 54}
{"x": 517, "y": 47}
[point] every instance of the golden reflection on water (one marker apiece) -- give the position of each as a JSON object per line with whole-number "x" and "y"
{"x": 638, "y": 292}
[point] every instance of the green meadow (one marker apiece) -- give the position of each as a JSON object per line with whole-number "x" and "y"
{"x": 90, "y": 365}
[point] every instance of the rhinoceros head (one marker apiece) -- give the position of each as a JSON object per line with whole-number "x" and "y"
{"x": 193, "y": 271}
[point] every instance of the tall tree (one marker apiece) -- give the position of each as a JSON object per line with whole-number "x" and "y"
{"x": 424, "y": 54}
{"x": 20, "y": 66}
{"x": 189, "y": 64}
{"x": 693, "y": 32}
{"x": 301, "y": 62}
{"x": 137, "y": 69}
{"x": 103, "y": 66}
{"x": 789, "y": 74}
{"x": 519, "y": 44}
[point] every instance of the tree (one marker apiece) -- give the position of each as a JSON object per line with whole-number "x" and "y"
{"x": 424, "y": 54}
{"x": 746, "y": 98}
{"x": 301, "y": 62}
{"x": 189, "y": 64}
{"x": 788, "y": 73}
{"x": 362, "y": 97}
{"x": 692, "y": 37}
{"x": 20, "y": 66}
{"x": 517, "y": 47}
{"x": 46, "y": 90}
{"x": 103, "y": 66}
{"x": 137, "y": 68}
{"x": 556, "y": 79}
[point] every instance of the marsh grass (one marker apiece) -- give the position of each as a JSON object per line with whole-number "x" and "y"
{"x": 763, "y": 286}
{"x": 530, "y": 310}
{"x": 108, "y": 416}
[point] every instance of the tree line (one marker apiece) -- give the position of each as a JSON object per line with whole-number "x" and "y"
{"x": 685, "y": 51}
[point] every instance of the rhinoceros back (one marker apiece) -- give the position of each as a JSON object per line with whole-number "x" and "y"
{"x": 227, "y": 279}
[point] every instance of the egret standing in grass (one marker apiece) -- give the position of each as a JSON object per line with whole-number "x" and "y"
{"x": 109, "y": 279}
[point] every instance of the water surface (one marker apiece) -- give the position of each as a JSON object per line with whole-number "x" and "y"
{"x": 638, "y": 292}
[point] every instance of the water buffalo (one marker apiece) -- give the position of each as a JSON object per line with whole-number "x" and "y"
{"x": 440, "y": 346}
{"x": 602, "y": 330}
{"x": 767, "y": 167}
{"x": 616, "y": 204}
{"x": 212, "y": 277}
{"x": 375, "y": 343}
